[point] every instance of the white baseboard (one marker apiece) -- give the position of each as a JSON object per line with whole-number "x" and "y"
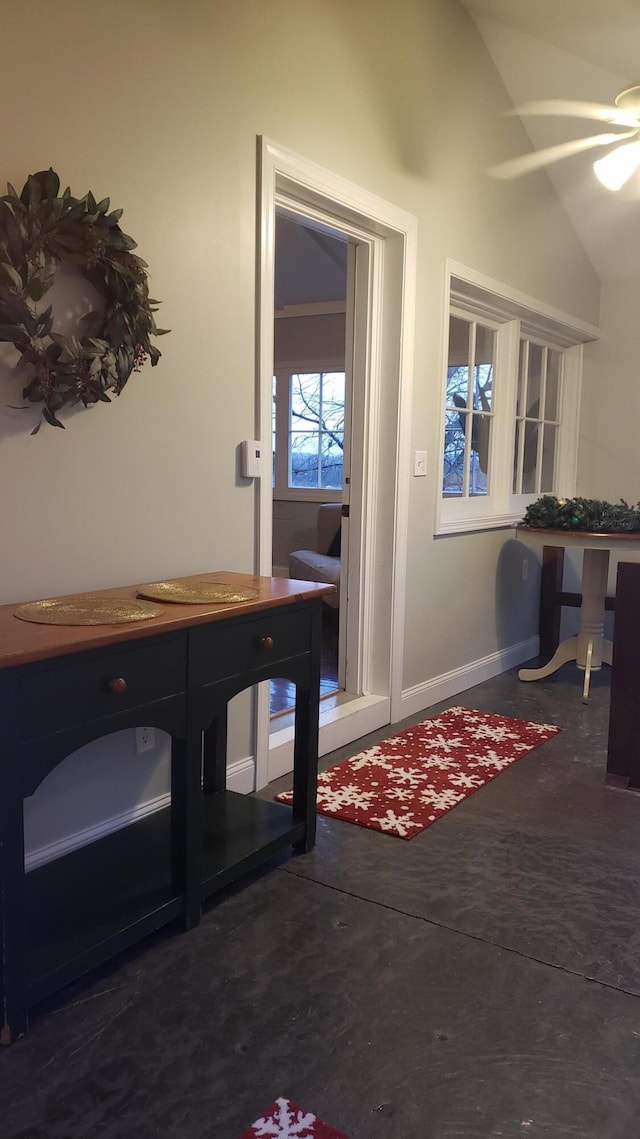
{"x": 239, "y": 778}
{"x": 450, "y": 684}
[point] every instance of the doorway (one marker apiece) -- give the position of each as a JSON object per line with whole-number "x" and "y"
{"x": 311, "y": 432}
{"x": 382, "y": 241}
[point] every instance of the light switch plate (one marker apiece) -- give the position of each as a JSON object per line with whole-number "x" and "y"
{"x": 419, "y": 464}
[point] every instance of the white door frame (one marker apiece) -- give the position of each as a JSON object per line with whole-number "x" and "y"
{"x": 391, "y": 234}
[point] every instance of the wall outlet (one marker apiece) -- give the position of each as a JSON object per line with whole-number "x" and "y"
{"x": 145, "y": 739}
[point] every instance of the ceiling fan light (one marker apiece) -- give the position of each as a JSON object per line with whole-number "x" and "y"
{"x": 617, "y": 167}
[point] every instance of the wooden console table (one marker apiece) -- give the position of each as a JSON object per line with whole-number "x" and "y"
{"x": 589, "y": 648}
{"x": 63, "y": 686}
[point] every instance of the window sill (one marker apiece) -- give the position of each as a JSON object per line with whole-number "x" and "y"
{"x": 470, "y": 525}
{"x": 307, "y": 494}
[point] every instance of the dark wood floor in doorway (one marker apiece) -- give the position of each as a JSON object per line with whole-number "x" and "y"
{"x": 282, "y": 693}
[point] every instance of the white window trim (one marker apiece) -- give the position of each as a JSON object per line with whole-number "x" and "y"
{"x": 282, "y": 492}
{"x": 515, "y": 315}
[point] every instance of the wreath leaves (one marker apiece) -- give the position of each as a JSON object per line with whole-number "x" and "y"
{"x": 40, "y": 229}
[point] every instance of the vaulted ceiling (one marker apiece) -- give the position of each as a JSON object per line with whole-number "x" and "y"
{"x": 573, "y": 49}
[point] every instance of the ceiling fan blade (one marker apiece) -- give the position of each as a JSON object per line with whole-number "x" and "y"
{"x": 577, "y": 110}
{"x": 527, "y": 162}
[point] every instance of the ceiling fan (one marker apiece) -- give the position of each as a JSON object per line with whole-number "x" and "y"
{"x": 616, "y": 167}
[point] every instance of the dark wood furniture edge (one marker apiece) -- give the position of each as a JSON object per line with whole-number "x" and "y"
{"x": 23, "y": 641}
{"x": 623, "y": 751}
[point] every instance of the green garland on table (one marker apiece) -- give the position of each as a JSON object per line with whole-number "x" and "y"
{"x": 588, "y": 514}
{"x": 40, "y": 229}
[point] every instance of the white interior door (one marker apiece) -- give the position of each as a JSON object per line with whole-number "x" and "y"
{"x": 385, "y": 245}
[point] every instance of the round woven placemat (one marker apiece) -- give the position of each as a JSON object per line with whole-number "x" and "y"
{"x": 87, "y": 610}
{"x": 197, "y": 592}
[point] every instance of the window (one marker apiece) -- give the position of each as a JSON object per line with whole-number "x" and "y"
{"x": 537, "y": 419}
{"x": 308, "y": 433}
{"x": 510, "y": 404}
{"x": 468, "y": 411}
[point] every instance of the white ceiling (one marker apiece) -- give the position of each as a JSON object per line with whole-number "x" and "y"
{"x": 573, "y": 49}
{"x": 310, "y": 266}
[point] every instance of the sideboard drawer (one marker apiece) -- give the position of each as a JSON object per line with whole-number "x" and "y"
{"x": 101, "y": 684}
{"x": 223, "y": 652}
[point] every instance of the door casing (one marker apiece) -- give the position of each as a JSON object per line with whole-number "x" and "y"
{"x": 384, "y": 315}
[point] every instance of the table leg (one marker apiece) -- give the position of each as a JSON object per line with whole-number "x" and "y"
{"x": 595, "y": 572}
{"x": 589, "y": 649}
{"x": 13, "y": 1005}
{"x": 566, "y": 651}
{"x": 305, "y": 747}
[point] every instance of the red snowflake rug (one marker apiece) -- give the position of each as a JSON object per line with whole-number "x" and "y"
{"x": 405, "y": 783}
{"x": 285, "y": 1120}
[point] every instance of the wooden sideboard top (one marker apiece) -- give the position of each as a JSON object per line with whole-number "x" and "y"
{"x": 22, "y": 642}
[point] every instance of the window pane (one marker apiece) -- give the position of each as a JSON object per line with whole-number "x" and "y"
{"x": 480, "y": 436}
{"x": 533, "y": 409}
{"x": 454, "y": 440}
{"x": 477, "y": 478}
{"x": 331, "y": 465}
{"x": 483, "y": 368}
{"x": 516, "y": 457}
{"x": 305, "y": 394}
{"x": 303, "y": 459}
{"x": 522, "y": 376}
{"x": 457, "y": 387}
{"x": 548, "y": 459}
{"x": 482, "y": 387}
{"x": 333, "y": 400}
{"x": 316, "y": 429}
{"x": 530, "y": 457}
{"x": 553, "y": 384}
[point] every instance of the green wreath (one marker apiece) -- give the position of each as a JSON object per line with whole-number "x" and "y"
{"x": 590, "y": 514}
{"x": 39, "y": 230}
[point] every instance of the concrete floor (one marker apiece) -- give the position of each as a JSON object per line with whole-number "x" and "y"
{"x": 479, "y": 981}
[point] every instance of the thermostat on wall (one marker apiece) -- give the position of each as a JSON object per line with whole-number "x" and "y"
{"x": 250, "y": 458}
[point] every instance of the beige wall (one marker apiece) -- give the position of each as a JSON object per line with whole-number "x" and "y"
{"x": 608, "y": 466}
{"x": 608, "y": 462}
{"x": 158, "y": 105}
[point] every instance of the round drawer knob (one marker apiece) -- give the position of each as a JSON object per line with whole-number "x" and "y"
{"x": 117, "y": 684}
{"x": 266, "y": 642}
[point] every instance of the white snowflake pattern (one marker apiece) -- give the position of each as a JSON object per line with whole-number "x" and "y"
{"x": 441, "y": 800}
{"x": 497, "y": 733}
{"x": 401, "y": 824}
{"x": 460, "y": 779}
{"x": 447, "y": 744}
{"x": 402, "y": 794}
{"x": 287, "y": 1123}
{"x": 373, "y": 758}
{"x": 491, "y": 759}
{"x": 442, "y": 762}
{"x": 411, "y": 776}
{"x": 334, "y": 798}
